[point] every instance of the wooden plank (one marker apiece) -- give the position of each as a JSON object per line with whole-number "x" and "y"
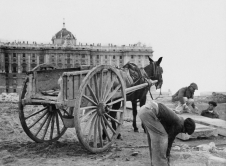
{"x": 76, "y": 85}
{"x": 134, "y": 88}
{"x": 219, "y": 124}
{"x": 64, "y": 87}
{"x": 70, "y": 87}
{"x": 43, "y": 97}
{"x": 200, "y": 131}
{"x": 75, "y": 73}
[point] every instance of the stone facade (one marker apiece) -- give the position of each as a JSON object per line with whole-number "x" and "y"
{"x": 18, "y": 58}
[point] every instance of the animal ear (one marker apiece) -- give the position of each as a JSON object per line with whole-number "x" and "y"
{"x": 150, "y": 59}
{"x": 159, "y": 61}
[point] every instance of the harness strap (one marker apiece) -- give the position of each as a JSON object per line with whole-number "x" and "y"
{"x": 149, "y": 87}
{"x": 154, "y": 69}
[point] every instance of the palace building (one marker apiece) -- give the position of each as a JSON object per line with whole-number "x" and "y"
{"x": 16, "y": 58}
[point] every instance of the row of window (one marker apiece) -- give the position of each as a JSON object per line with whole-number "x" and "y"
{"x": 14, "y": 90}
{"x": 83, "y": 56}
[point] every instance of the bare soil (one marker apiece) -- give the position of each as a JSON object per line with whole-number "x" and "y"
{"x": 16, "y": 148}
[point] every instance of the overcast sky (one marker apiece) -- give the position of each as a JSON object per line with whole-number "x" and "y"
{"x": 190, "y": 35}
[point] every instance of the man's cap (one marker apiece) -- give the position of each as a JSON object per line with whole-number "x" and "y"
{"x": 194, "y": 85}
{"x": 213, "y": 103}
{"x": 189, "y": 125}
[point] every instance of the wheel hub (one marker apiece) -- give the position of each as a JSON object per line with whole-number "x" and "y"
{"x": 101, "y": 109}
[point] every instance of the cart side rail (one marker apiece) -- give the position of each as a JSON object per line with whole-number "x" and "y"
{"x": 44, "y": 80}
{"x": 69, "y": 84}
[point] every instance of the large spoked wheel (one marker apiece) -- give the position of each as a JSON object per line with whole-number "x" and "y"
{"x": 42, "y": 123}
{"x": 94, "y": 112}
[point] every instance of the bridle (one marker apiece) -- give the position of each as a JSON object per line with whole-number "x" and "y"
{"x": 156, "y": 73}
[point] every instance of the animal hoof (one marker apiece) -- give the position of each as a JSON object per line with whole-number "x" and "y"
{"x": 119, "y": 137}
{"x": 136, "y": 130}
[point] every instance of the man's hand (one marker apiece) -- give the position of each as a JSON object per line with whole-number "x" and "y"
{"x": 196, "y": 110}
{"x": 185, "y": 107}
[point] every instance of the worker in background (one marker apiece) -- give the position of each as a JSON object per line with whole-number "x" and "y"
{"x": 210, "y": 111}
{"x": 185, "y": 98}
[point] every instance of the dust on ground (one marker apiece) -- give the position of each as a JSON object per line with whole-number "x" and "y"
{"x": 16, "y": 148}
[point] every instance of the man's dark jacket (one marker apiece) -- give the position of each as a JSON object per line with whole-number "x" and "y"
{"x": 172, "y": 123}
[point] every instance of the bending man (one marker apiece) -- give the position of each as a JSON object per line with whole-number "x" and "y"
{"x": 162, "y": 125}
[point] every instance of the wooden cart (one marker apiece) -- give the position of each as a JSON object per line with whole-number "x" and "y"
{"x": 53, "y": 100}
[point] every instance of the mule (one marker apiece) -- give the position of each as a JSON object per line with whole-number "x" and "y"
{"x": 139, "y": 76}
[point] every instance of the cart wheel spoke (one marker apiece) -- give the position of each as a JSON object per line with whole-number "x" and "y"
{"x": 96, "y": 87}
{"x": 47, "y": 126}
{"x": 100, "y": 132}
{"x": 115, "y": 120}
{"x": 91, "y": 129}
{"x": 36, "y": 113}
{"x": 105, "y": 87}
{"x": 87, "y": 114}
{"x": 106, "y": 121}
{"x": 92, "y": 93}
{"x": 90, "y": 100}
{"x": 42, "y": 124}
{"x": 65, "y": 111}
{"x": 113, "y": 93}
{"x": 109, "y": 88}
{"x": 89, "y": 121}
{"x": 95, "y": 132}
{"x": 60, "y": 115}
{"x": 105, "y": 130}
{"x": 32, "y": 125}
{"x": 57, "y": 123}
{"x": 113, "y": 110}
{"x": 101, "y": 84}
{"x": 52, "y": 127}
{"x": 115, "y": 101}
{"x": 88, "y": 107}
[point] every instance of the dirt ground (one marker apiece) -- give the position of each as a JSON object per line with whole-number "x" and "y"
{"x": 16, "y": 148}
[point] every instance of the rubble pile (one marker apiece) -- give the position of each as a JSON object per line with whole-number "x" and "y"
{"x": 217, "y": 97}
{"x": 9, "y": 97}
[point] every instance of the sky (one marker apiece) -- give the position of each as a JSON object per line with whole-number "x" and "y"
{"x": 190, "y": 35}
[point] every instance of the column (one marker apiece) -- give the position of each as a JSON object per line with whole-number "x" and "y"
{"x": 10, "y": 63}
{"x": 2, "y": 66}
{"x": 47, "y": 59}
{"x": 29, "y": 61}
{"x": 38, "y": 59}
{"x": 110, "y": 59}
{"x": 19, "y": 63}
